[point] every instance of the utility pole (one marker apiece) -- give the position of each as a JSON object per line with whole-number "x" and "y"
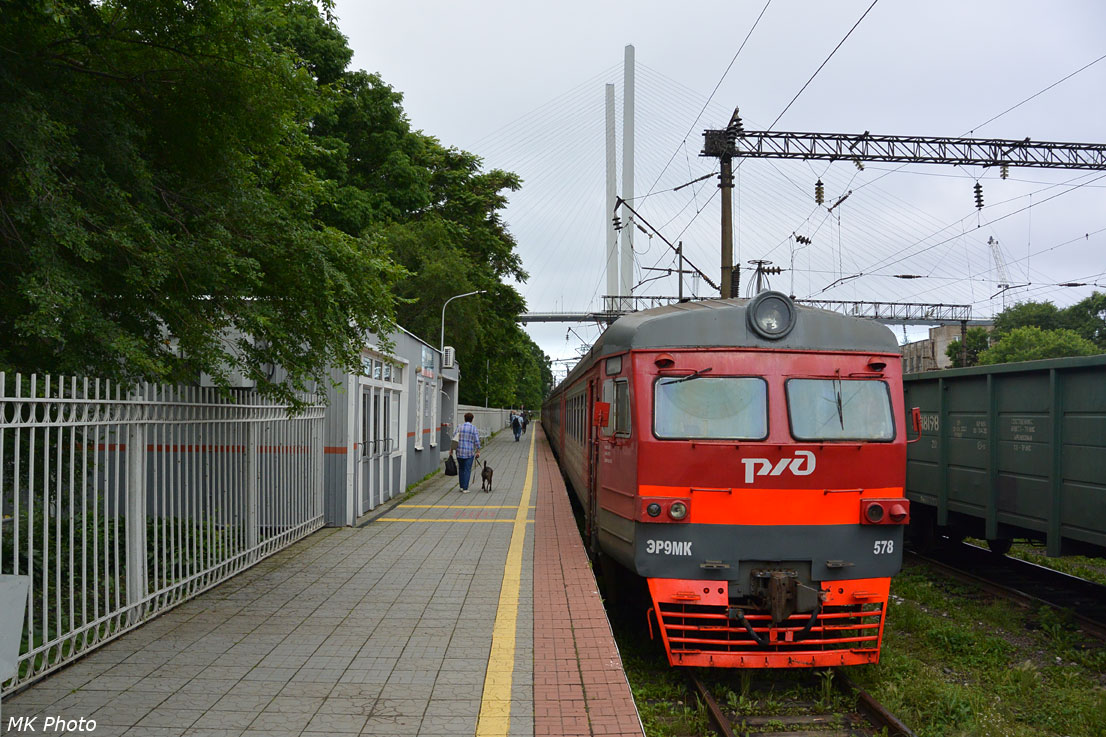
{"x": 680, "y": 269}
{"x": 725, "y": 183}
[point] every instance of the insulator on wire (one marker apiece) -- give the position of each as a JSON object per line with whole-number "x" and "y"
{"x": 735, "y": 127}
{"x": 978, "y": 195}
{"x": 617, "y": 221}
{"x": 803, "y": 240}
{"x": 1004, "y": 171}
{"x": 819, "y": 192}
{"x": 859, "y": 164}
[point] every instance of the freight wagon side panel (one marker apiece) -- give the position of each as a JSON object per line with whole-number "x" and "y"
{"x": 1020, "y": 447}
{"x": 1082, "y": 397}
{"x": 1025, "y": 442}
{"x": 924, "y": 477}
{"x": 965, "y": 438}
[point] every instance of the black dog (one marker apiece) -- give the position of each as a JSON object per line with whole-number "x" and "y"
{"x": 486, "y": 477}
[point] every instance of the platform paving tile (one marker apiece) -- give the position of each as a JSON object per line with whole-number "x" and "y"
{"x": 380, "y": 630}
{"x": 279, "y": 721}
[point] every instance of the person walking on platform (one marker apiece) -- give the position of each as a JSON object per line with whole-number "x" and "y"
{"x": 516, "y": 425}
{"x": 468, "y": 449}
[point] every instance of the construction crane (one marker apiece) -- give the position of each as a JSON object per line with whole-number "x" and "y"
{"x": 1004, "y": 282}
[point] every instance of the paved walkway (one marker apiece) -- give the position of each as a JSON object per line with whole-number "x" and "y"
{"x": 421, "y": 622}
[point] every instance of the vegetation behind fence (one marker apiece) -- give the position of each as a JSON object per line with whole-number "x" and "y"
{"x": 120, "y": 503}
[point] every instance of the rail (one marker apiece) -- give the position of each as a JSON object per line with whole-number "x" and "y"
{"x": 120, "y": 503}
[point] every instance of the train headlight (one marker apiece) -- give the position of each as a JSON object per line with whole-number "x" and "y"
{"x": 653, "y": 510}
{"x": 677, "y": 511}
{"x": 884, "y": 511}
{"x": 771, "y": 315}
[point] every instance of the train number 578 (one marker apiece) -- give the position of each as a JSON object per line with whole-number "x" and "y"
{"x": 883, "y": 547}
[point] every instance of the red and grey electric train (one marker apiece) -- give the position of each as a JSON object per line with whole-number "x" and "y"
{"x": 747, "y": 458}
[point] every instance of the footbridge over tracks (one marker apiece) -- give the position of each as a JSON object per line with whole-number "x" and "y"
{"x": 889, "y": 313}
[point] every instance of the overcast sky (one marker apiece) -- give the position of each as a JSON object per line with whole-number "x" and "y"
{"x": 521, "y": 84}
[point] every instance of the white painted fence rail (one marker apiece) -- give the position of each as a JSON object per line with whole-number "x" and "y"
{"x": 487, "y": 420}
{"x": 121, "y": 503}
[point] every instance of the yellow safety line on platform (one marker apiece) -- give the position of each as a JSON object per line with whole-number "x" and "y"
{"x": 460, "y": 506}
{"x": 440, "y": 519}
{"x": 495, "y": 705}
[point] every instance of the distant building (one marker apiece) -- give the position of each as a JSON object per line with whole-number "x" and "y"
{"x": 929, "y": 354}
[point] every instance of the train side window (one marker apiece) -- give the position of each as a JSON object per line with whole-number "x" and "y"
{"x": 609, "y": 397}
{"x": 621, "y": 407}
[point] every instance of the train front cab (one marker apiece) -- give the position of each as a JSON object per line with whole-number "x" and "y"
{"x": 765, "y": 541}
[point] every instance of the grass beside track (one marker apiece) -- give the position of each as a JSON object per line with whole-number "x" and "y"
{"x": 957, "y": 662}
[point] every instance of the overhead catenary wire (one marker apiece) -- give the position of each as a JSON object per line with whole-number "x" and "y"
{"x": 822, "y": 65}
{"x": 710, "y": 97}
{"x": 547, "y": 221}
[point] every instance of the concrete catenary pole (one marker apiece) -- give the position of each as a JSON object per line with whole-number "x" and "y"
{"x": 612, "y": 195}
{"x": 627, "y": 266}
{"x": 726, "y": 184}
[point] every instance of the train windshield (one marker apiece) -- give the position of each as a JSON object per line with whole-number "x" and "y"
{"x": 837, "y": 409}
{"x": 724, "y": 407}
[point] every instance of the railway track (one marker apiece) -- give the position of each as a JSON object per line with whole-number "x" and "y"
{"x": 1026, "y": 583}
{"x": 842, "y": 709}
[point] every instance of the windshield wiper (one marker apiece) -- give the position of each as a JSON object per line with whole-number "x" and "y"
{"x": 689, "y": 377}
{"x": 837, "y": 390}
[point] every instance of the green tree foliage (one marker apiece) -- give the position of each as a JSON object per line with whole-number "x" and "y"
{"x": 1033, "y": 330}
{"x": 1044, "y": 315}
{"x": 1088, "y": 318}
{"x": 1030, "y": 343}
{"x": 976, "y": 340}
{"x": 175, "y": 174}
{"x": 436, "y": 212}
{"x": 156, "y": 197}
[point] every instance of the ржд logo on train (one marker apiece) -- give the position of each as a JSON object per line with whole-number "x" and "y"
{"x": 763, "y": 467}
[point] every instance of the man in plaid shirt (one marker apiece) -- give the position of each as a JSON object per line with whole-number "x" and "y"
{"x": 468, "y": 449}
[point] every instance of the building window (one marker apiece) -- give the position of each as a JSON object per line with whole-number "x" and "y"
{"x": 419, "y": 392}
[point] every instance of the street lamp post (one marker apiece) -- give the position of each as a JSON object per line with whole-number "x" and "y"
{"x": 441, "y": 345}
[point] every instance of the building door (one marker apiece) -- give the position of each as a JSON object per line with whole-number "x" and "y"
{"x": 380, "y": 461}
{"x": 367, "y": 459}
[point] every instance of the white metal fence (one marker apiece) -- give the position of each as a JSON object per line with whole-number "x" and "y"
{"x": 122, "y": 503}
{"x": 487, "y": 420}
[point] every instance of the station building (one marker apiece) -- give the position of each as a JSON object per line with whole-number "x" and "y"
{"x": 387, "y": 426}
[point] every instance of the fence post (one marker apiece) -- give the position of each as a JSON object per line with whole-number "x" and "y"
{"x": 317, "y": 456}
{"x": 252, "y": 486}
{"x": 136, "y": 521}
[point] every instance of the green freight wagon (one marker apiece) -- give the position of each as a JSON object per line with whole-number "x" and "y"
{"x": 1013, "y": 450}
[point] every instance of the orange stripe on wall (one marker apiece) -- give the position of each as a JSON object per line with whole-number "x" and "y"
{"x": 237, "y": 449}
{"x": 335, "y": 450}
{"x": 773, "y": 506}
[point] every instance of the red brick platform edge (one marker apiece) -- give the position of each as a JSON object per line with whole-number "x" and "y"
{"x": 580, "y": 688}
